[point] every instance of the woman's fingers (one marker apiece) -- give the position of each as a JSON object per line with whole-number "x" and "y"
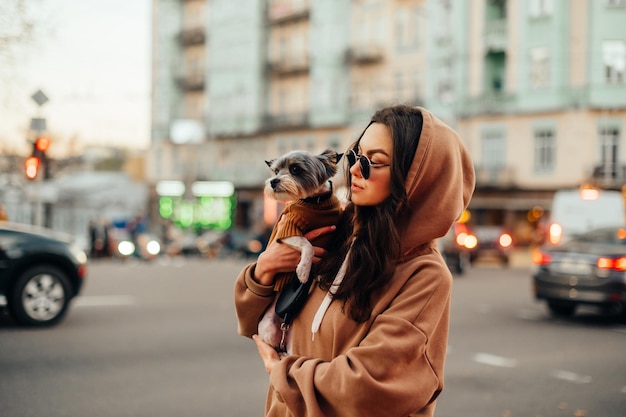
{"x": 315, "y": 233}
{"x": 267, "y": 352}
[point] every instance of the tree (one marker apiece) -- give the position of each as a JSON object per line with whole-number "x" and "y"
{"x": 17, "y": 25}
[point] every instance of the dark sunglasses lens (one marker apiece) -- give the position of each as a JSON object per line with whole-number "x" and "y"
{"x": 351, "y": 157}
{"x": 363, "y": 162}
{"x": 365, "y": 167}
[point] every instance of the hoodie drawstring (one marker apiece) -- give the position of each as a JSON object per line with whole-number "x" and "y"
{"x": 319, "y": 315}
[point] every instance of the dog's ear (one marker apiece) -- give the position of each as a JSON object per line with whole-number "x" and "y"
{"x": 331, "y": 155}
{"x": 330, "y": 159}
{"x": 269, "y": 163}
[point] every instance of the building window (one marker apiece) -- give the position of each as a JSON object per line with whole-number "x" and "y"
{"x": 609, "y": 144}
{"x": 334, "y": 142}
{"x": 541, "y": 8}
{"x": 493, "y": 149}
{"x": 545, "y": 150}
{"x": 614, "y": 60}
{"x": 399, "y": 86}
{"x": 539, "y": 68}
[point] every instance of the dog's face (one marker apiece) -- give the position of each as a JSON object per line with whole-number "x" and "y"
{"x": 300, "y": 174}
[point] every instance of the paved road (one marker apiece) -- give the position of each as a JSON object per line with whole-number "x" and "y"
{"x": 160, "y": 340}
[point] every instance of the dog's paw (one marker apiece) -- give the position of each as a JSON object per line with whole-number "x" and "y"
{"x": 269, "y": 329}
{"x": 306, "y": 258}
{"x": 303, "y": 270}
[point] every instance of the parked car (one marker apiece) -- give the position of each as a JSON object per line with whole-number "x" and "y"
{"x": 492, "y": 241}
{"x": 588, "y": 269}
{"x": 455, "y": 247}
{"x": 40, "y": 272}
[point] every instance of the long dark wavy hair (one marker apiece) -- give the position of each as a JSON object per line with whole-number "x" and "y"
{"x": 374, "y": 230}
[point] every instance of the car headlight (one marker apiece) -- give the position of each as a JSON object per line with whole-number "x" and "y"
{"x": 153, "y": 247}
{"x": 126, "y": 248}
{"x": 78, "y": 253}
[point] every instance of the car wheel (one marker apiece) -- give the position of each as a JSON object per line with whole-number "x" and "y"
{"x": 40, "y": 296}
{"x": 561, "y": 309}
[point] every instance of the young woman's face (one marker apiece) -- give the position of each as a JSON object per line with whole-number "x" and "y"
{"x": 375, "y": 144}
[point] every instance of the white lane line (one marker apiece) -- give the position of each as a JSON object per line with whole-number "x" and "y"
{"x": 493, "y": 360}
{"x": 104, "y": 301}
{"x": 571, "y": 377}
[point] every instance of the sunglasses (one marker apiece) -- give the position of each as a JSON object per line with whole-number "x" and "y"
{"x": 364, "y": 162}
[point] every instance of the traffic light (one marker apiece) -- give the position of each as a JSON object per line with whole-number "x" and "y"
{"x": 32, "y": 167}
{"x": 42, "y": 143}
{"x": 38, "y": 159}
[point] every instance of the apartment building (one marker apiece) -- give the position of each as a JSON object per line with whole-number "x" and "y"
{"x": 271, "y": 76}
{"x": 535, "y": 88}
{"x": 538, "y": 92}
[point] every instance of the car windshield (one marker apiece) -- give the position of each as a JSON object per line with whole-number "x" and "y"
{"x": 610, "y": 236}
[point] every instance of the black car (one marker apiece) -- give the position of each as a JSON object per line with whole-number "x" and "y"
{"x": 492, "y": 242}
{"x": 40, "y": 272}
{"x": 589, "y": 269}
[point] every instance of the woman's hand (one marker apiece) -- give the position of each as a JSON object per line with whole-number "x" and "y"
{"x": 279, "y": 257}
{"x": 268, "y": 354}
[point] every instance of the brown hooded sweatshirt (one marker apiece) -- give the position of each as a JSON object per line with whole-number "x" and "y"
{"x": 393, "y": 364}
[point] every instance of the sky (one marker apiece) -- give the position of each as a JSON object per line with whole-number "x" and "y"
{"x": 91, "y": 58}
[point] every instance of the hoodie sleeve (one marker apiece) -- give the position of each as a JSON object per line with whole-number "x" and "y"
{"x": 395, "y": 370}
{"x": 251, "y": 301}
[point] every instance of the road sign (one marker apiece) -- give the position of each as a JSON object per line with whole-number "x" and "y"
{"x": 40, "y": 98}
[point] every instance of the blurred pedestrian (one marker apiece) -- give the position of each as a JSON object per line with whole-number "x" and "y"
{"x": 371, "y": 338}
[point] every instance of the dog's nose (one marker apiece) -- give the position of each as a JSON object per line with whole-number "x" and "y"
{"x": 274, "y": 182}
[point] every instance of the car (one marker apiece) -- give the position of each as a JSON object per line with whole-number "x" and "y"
{"x": 492, "y": 241}
{"x": 587, "y": 270}
{"x": 455, "y": 247}
{"x": 146, "y": 246}
{"x": 576, "y": 211}
{"x": 41, "y": 271}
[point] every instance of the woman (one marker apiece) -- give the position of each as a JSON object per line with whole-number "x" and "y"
{"x": 371, "y": 338}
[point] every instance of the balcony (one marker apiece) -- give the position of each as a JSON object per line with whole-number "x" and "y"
{"x": 496, "y": 35}
{"x": 487, "y": 104}
{"x": 494, "y": 177}
{"x": 192, "y": 36}
{"x": 191, "y": 81}
{"x": 365, "y": 54}
{"x": 285, "y": 121}
{"x": 609, "y": 175}
{"x": 286, "y": 11}
{"x": 289, "y": 65}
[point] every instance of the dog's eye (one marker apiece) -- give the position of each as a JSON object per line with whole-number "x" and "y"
{"x": 276, "y": 171}
{"x": 295, "y": 170}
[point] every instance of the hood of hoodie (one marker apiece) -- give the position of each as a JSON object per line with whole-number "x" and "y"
{"x": 439, "y": 184}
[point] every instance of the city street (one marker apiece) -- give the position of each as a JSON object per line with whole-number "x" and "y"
{"x": 160, "y": 339}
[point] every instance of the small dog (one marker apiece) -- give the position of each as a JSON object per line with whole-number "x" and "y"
{"x": 303, "y": 180}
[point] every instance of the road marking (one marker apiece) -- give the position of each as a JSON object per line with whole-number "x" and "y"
{"x": 571, "y": 377}
{"x": 493, "y": 360}
{"x": 104, "y": 301}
